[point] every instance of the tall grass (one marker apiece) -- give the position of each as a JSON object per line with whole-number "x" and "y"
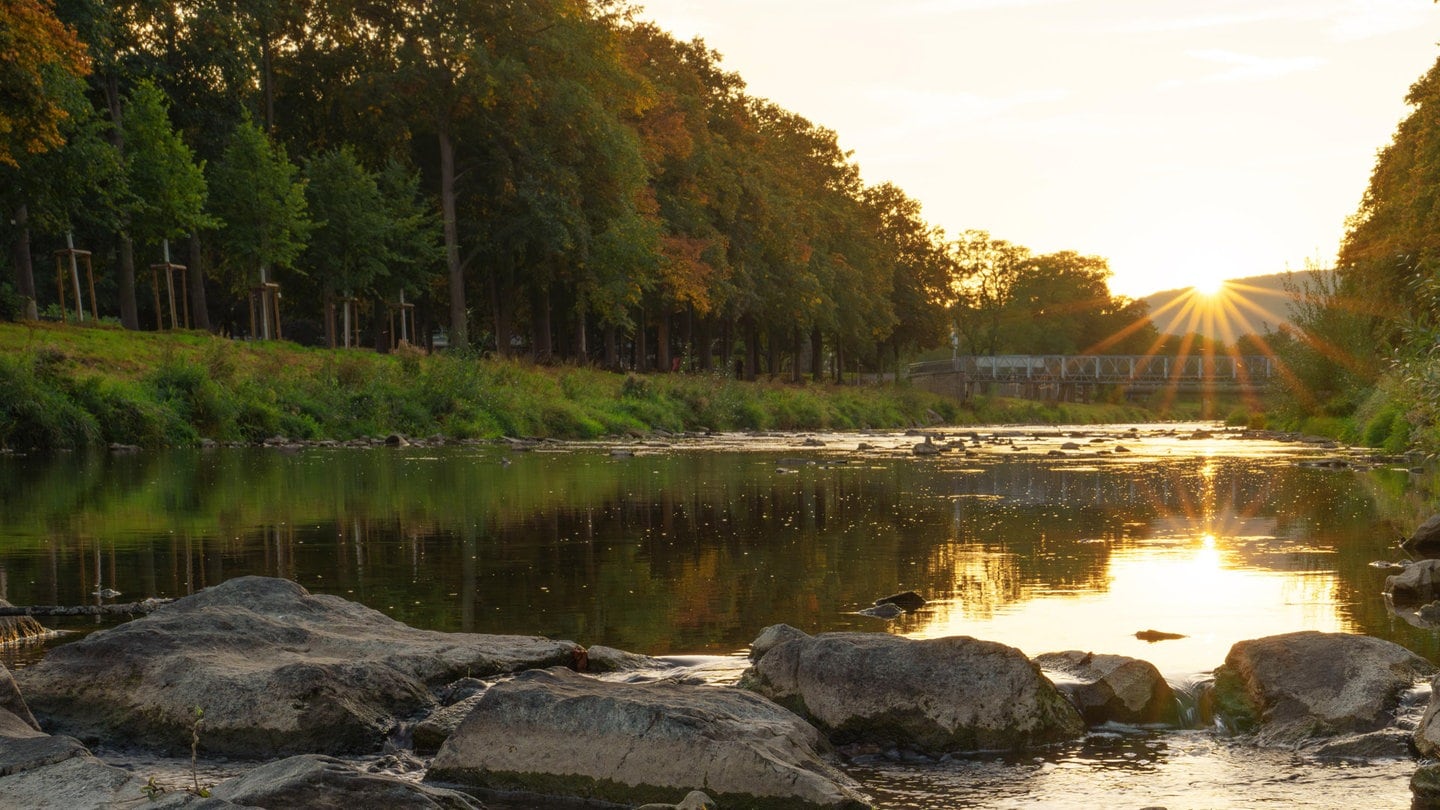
{"x": 73, "y": 386}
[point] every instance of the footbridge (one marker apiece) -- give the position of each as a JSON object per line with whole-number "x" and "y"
{"x": 1082, "y": 377}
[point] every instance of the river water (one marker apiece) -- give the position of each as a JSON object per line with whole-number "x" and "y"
{"x": 1041, "y": 538}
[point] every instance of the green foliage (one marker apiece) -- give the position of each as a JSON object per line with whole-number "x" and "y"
{"x": 261, "y": 204}
{"x": 35, "y": 408}
{"x": 167, "y": 187}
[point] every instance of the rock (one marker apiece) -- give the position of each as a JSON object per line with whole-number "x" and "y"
{"x": 1153, "y": 636}
{"x": 694, "y": 800}
{"x": 608, "y": 659}
{"x": 396, "y": 440}
{"x": 1418, "y": 584}
{"x": 566, "y": 734}
{"x": 1113, "y": 687}
{"x": 277, "y": 671}
{"x": 1296, "y": 687}
{"x": 932, "y": 695}
{"x": 11, "y": 700}
{"x": 19, "y": 628}
{"x": 1386, "y": 744}
{"x": 325, "y": 783}
{"x": 926, "y": 448}
{"x": 432, "y": 732}
{"x": 886, "y": 611}
{"x": 1070, "y": 446}
{"x": 909, "y": 600}
{"x": 773, "y": 636}
{"x": 1120, "y": 448}
{"x": 38, "y": 770}
{"x": 1427, "y": 534}
{"x": 1425, "y": 787}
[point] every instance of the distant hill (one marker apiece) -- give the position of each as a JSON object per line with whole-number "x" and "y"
{"x": 1249, "y": 305}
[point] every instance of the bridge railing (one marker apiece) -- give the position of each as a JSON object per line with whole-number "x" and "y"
{"x": 1105, "y": 369}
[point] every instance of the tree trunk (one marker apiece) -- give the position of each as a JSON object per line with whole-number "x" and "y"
{"x": 612, "y": 348}
{"x": 24, "y": 264}
{"x": 544, "y": 348}
{"x": 642, "y": 351}
{"x": 798, "y": 348}
{"x": 702, "y": 346}
{"x": 129, "y": 312}
{"x": 839, "y": 363}
{"x": 772, "y": 355}
{"x": 662, "y": 342}
{"x": 459, "y": 329}
{"x": 752, "y": 350}
{"x": 382, "y": 326}
{"x": 328, "y": 297}
{"x": 582, "y": 348}
{"x": 727, "y": 345}
{"x": 817, "y": 355}
{"x": 199, "y": 301}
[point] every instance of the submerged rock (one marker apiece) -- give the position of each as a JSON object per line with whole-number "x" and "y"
{"x": 1418, "y": 584}
{"x": 276, "y": 670}
{"x": 933, "y": 695}
{"x": 325, "y": 783}
{"x": 1297, "y": 687}
{"x": 559, "y": 733}
{"x": 1113, "y": 687}
{"x": 885, "y": 611}
{"x": 908, "y": 600}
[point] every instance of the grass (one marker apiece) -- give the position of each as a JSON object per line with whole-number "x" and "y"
{"x": 64, "y": 386}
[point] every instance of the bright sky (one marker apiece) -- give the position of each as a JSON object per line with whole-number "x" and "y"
{"x": 1184, "y": 140}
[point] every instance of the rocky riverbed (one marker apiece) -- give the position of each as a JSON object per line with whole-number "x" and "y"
{"x": 315, "y": 701}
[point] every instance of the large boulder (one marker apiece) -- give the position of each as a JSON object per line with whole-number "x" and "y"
{"x": 1427, "y": 733}
{"x": 275, "y": 669}
{"x": 11, "y": 700}
{"x": 933, "y": 695}
{"x": 1300, "y": 687}
{"x": 1117, "y": 688}
{"x": 1418, "y": 584}
{"x": 38, "y": 770}
{"x": 324, "y": 783}
{"x": 1426, "y": 536}
{"x": 559, "y": 733}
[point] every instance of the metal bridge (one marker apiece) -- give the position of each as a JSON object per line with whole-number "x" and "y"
{"x": 1070, "y": 377}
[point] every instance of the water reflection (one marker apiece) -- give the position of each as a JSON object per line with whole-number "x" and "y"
{"x": 695, "y": 552}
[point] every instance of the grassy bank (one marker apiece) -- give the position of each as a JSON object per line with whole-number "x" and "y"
{"x": 68, "y": 386}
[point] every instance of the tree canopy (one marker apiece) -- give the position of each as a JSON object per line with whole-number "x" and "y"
{"x": 546, "y": 177}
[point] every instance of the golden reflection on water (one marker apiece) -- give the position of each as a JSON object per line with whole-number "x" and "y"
{"x": 1202, "y": 586}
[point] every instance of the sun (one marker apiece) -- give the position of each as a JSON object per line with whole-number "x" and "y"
{"x": 1208, "y": 287}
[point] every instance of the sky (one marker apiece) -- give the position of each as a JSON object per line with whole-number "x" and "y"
{"x": 1186, "y": 141}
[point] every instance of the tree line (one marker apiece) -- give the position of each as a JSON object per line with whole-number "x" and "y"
{"x": 549, "y": 177}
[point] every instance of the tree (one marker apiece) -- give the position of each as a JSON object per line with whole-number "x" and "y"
{"x": 38, "y": 53}
{"x": 348, "y": 249}
{"x": 167, "y": 186}
{"x": 261, "y": 206}
{"x": 986, "y": 271}
{"x": 80, "y": 182}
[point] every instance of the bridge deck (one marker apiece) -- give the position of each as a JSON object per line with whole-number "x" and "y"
{"x": 1139, "y": 373}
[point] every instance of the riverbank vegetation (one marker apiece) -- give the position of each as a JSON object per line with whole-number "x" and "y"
{"x": 68, "y": 386}
{"x": 549, "y": 179}
{"x": 1363, "y": 361}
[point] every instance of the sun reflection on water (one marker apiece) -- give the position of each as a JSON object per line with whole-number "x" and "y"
{"x": 1200, "y": 585}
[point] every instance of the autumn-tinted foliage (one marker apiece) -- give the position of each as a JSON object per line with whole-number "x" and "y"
{"x": 564, "y": 183}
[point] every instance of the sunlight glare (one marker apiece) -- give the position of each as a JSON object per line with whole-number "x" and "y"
{"x": 1208, "y": 287}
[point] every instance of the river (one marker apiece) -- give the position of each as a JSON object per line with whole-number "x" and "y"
{"x": 1041, "y": 538}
